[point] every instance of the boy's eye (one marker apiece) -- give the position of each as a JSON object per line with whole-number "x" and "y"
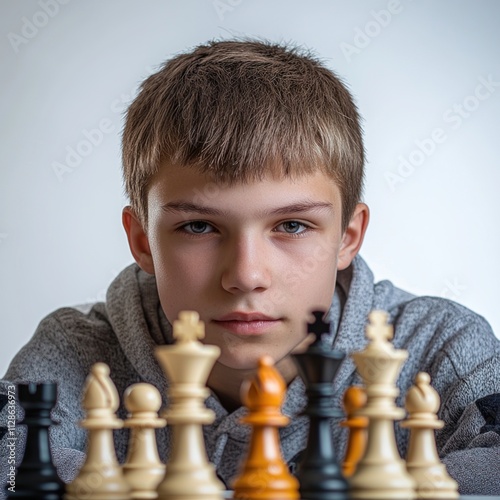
{"x": 292, "y": 227}
{"x": 197, "y": 227}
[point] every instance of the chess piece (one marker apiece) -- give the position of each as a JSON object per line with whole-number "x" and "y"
{"x": 422, "y": 462}
{"x": 354, "y": 400}
{"x": 265, "y": 474}
{"x": 36, "y": 476}
{"x": 143, "y": 469}
{"x": 187, "y": 364}
{"x": 381, "y": 473}
{"x": 100, "y": 478}
{"x": 319, "y": 473}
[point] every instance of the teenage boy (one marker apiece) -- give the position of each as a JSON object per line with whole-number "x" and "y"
{"x": 243, "y": 162}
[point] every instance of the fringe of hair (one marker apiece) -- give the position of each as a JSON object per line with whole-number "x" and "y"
{"x": 237, "y": 109}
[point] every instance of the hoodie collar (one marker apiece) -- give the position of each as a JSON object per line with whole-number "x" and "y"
{"x": 136, "y": 317}
{"x": 357, "y": 284}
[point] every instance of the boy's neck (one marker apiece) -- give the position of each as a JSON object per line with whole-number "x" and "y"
{"x": 226, "y": 382}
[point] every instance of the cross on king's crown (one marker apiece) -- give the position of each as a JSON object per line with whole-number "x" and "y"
{"x": 188, "y": 327}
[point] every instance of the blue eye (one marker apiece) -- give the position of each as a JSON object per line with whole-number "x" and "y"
{"x": 293, "y": 227}
{"x": 197, "y": 227}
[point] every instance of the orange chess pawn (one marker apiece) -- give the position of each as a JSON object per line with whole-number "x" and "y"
{"x": 265, "y": 474}
{"x": 354, "y": 400}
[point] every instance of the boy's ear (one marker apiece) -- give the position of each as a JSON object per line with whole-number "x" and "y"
{"x": 137, "y": 240}
{"x": 353, "y": 236}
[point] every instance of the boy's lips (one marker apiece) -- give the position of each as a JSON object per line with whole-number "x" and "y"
{"x": 240, "y": 323}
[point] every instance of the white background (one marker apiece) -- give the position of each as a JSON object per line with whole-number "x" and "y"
{"x": 65, "y": 68}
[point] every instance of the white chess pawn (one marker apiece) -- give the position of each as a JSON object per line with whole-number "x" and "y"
{"x": 101, "y": 477}
{"x": 422, "y": 462}
{"x": 143, "y": 468}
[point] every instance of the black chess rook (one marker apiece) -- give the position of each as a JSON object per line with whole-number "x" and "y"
{"x": 36, "y": 477}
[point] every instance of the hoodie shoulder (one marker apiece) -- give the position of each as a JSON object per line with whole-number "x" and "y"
{"x": 434, "y": 330}
{"x": 441, "y": 315}
{"x": 68, "y": 338}
{"x": 121, "y": 332}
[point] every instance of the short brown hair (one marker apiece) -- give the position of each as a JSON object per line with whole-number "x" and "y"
{"x": 236, "y": 109}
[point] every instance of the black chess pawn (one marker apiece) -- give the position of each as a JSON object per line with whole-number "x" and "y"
{"x": 319, "y": 472}
{"x": 36, "y": 477}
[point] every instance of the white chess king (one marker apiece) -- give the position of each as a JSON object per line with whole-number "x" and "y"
{"x": 381, "y": 473}
{"x": 187, "y": 364}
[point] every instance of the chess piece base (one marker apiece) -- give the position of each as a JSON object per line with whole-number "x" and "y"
{"x": 265, "y": 476}
{"x": 98, "y": 483}
{"x": 324, "y": 489}
{"x": 388, "y": 481}
{"x": 188, "y": 484}
{"x": 188, "y": 473}
{"x": 433, "y": 482}
{"x": 144, "y": 481}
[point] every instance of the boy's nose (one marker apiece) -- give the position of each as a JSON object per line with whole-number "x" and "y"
{"x": 246, "y": 266}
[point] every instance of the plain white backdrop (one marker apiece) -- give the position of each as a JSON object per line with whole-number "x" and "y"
{"x": 425, "y": 75}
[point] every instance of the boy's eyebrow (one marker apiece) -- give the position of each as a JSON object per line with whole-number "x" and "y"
{"x": 184, "y": 206}
{"x": 305, "y": 206}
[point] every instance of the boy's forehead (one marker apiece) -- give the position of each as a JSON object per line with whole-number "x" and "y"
{"x": 185, "y": 188}
{"x": 170, "y": 175}
{"x": 174, "y": 178}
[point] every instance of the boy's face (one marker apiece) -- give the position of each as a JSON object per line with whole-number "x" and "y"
{"x": 252, "y": 259}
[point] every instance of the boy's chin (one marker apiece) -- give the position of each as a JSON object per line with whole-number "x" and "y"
{"x": 238, "y": 364}
{"x": 244, "y": 361}
{"x": 248, "y": 362}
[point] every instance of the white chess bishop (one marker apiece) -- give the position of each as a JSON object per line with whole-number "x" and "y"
{"x": 100, "y": 478}
{"x": 422, "y": 461}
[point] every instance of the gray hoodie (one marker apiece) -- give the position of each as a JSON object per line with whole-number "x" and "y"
{"x": 454, "y": 345}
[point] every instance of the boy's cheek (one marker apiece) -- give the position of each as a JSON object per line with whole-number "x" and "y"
{"x": 292, "y": 279}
